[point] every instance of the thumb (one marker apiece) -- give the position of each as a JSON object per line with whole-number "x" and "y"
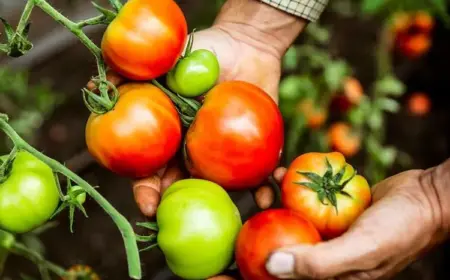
{"x": 352, "y": 251}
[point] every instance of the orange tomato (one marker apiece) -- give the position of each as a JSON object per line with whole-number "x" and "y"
{"x": 419, "y": 104}
{"x": 326, "y": 190}
{"x": 402, "y": 21}
{"x": 343, "y": 139}
{"x": 236, "y": 137}
{"x": 353, "y": 90}
{"x": 146, "y": 38}
{"x": 139, "y": 136}
{"x": 416, "y": 45}
{"x": 81, "y": 272}
{"x": 423, "y": 21}
{"x": 314, "y": 114}
{"x": 267, "y": 231}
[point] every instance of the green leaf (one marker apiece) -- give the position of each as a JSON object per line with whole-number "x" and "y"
{"x": 311, "y": 176}
{"x": 373, "y": 6}
{"x": 390, "y": 85}
{"x": 388, "y": 104}
{"x": 148, "y": 238}
{"x": 375, "y": 120}
{"x": 8, "y": 29}
{"x": 109, "y": 15}
{"x": 387, "y": 156}
{"x": 329, "y": 172}
{"x": 335, "y": 74}
{"x": 440, "y": 7}
{"x": 4, "y": 48}
{"x": 309, "y": 185}
{"x": 318, "y": 33}
{"x": 290, "y": 59}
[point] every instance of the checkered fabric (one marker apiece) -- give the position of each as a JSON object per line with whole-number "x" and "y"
{"x": 307, "y": 9}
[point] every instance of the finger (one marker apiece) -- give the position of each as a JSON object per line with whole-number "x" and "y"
{"x": 378, "y": 235}
{"x": 279, "y": 173}
{"x": 147, "y": 194}
{"x": 172, "y": 174}
{"x": 264, "y": 197}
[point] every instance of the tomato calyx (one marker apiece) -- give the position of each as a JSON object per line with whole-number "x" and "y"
{"x": 328, "y": 185}
{"x": 6, "y": 165}
{"x": 103, "y": 103}
{"x": 74, "y": 199}
{"x": 151, "y": 238}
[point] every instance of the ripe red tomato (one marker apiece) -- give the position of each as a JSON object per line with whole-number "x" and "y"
{"x": 419, "y": 104}
{"x": 344, "y": 139}
{"x": 326, "y": 190}
{"x": 146, "y": 38}
{"x": 267, "y": 231}
{"x": 139, "y": 136}
{"x": 236, "y": 138}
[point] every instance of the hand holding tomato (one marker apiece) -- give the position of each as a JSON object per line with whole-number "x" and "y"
{"x": 410, "y": 214}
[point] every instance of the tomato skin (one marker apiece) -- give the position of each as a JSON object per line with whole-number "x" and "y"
{"x": 146, "y": 38}
{"x": 419, "y": 104}
{"x": 195, "y": 74}
{"x": 315, "y": 115}
{"x": 305, "y": 201}
{"x": 198, "y": 226}
{"x": 236, "y": 138}
{"x": 343, "y": 139}
{"x": 81, "y": 272}
{"x": 139, "y": 136}
{"x": 29, "y": 196}
{"x": 267, "y": 231}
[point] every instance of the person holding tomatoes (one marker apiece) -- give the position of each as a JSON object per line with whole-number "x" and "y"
{"x": 410, "y": 211}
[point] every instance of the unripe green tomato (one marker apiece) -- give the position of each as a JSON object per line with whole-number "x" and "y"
{"x": 198, "y": 226}
{"x": 195, "y": 74}
{"x": 29, "y": 196}
{"x": 81, "y": 198}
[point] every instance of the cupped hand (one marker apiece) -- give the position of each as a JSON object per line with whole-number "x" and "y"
{"x": 406, "y": 219}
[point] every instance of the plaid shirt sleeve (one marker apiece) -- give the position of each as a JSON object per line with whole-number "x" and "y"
{"x": 307, "y": 9}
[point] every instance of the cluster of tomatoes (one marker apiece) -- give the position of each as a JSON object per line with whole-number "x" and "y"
{"x": 233, "y": 142}
{"x": 412, "y": 33}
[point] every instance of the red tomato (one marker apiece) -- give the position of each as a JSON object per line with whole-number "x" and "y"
{"x": 236, "y": 138}
{"x": 146, "y": 38}
{"x": 267, "y": 231}
{"x": 139, "y": 136}
{"x": 419, "y": 104}
{"x": 325, "y": 189}
{"x": 423, "y": 21}
{"x": 343, "y": 139}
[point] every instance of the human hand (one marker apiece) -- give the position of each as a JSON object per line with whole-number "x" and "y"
{"x": 410, "y": 214}
{"x": 239, "y": 38}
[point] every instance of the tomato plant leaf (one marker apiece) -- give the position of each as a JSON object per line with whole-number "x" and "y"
{"x": 329, "y": 172}
{"x": 309, "y": 185}
{"x": 146, "y": 238}
{"x": 375, "y": 120}
{"x": 312, "y": 176}
{"x": 9, "y": 31}
{"x": 390, "y": 85}
{"x": 339, "y": 175}
{"x": 335, "y": 73}
{"x": 373, "y": 6}
{"x": 388, "y": 104}
{"x": 387, "y": 156}
{"x": 109, "y": 15}
{"x": 344, "y": 193}
{"x": 290, "y": 59}
{"x": 318, "y": 33}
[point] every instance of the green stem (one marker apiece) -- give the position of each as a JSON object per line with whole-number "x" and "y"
{"x": 384, "y": 60}
{"x": 77, "y": 31}
{"x": 91, "y": 21}
{"x": 25, "y": 17}
{"x": 117, "y": 5}
{"x": 22, "y": 250}
{"x": 124, "y": 226}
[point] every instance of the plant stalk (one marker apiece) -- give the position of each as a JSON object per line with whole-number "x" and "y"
{"x": 25, "y": 16}
{"x": 91, "y": 21}
{"x": 117, "y": 5}
{"x": 124, "y": 226}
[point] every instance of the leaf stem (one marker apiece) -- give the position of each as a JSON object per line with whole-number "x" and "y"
{"x": 117, "y": 5}
{"x": 91, "y": 21}
{"x": 25, "y": 16}
{"x": 22, "y": 250}
{"x": 124, "y": 226}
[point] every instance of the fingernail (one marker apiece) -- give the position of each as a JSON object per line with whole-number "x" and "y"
{"x": 281, "y": 264}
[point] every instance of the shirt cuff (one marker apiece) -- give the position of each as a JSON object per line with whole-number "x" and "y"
{"x": 307, "y": 9}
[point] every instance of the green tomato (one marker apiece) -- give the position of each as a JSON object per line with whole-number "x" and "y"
{"x": 29, "y": 196}
{"x": 198, "y": 226}
{"x": 81, "y": 197}
{"x": 195, "y": 74}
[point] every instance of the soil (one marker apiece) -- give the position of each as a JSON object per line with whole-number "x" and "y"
{"x": 96, "y": 240}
